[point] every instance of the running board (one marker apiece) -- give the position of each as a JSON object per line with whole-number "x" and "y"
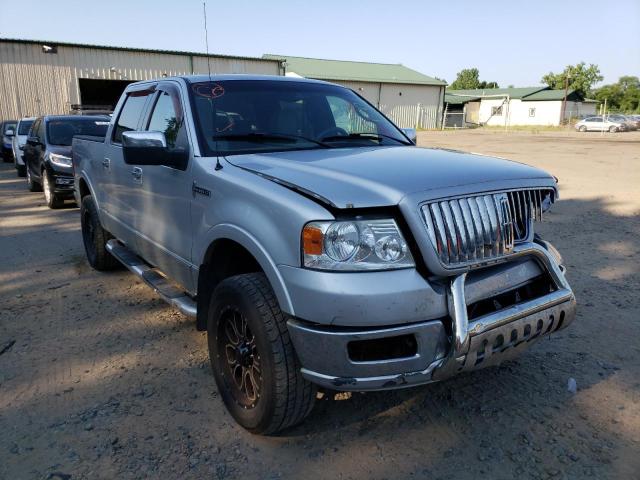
{"x": 152, "y": 277}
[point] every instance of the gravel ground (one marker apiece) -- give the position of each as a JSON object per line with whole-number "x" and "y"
{"x": 100, "y": 379}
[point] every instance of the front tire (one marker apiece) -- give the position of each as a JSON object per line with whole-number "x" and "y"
{"x": 582, "y": 128}
{"x": 95, "y": 237}
{"x": 53, "y": 200}
{"x": 613, "y": 129}
{"x": 252, "y": 357}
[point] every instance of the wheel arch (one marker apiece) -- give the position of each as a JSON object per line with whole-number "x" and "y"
{"x": 239, "y": 252}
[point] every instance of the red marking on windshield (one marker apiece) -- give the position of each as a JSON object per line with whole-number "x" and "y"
{"x": 209, "y": 91}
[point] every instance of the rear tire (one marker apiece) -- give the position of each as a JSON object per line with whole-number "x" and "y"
{"x": 613, "y": 129}
{"x": 95, "y": 237}
{"x": 53, "y": 200}
{"x": 31, "y": 183}
{"x": 252, "y": 357}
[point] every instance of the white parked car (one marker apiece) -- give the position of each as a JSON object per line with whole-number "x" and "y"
{"x": 18, "y": 143}
{"x": 598, "y": 124}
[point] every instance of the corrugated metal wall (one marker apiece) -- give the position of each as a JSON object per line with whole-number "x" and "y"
{"x": 408, "y": 106}
{"x": 36, "y": 83}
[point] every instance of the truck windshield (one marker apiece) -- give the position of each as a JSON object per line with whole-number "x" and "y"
{"x": 251, "y": 116}
{"x": 61, "y": 132}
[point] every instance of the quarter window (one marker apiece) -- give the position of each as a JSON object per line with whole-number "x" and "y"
{"x": 39, "y": 130}
{"x": 347, "y": 116}
{"x": 130, "y": 114}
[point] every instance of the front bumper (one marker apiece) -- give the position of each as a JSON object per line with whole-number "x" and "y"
{"x": 62, "y": 182}
{"x": 441, "y": 353}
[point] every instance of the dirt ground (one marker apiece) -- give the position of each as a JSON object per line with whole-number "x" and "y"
{"x": 100, "y": 379}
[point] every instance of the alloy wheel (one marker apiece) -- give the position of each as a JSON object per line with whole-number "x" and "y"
{"x": 240, "y": 362}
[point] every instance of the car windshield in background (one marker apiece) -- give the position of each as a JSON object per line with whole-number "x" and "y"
{"x": 250, "y": 116}
{"x": 9, "y": 126}
{"x": 23, "y": 128}
{"x": 61, "y": 132}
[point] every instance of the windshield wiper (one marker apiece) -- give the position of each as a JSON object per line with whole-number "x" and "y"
{"x": 265, "y": 137}
{"x": 364, "y": 135}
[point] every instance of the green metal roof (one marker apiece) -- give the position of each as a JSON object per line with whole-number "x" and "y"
{"x": 549, "y": 95}
{"x": 457, "y": 99}
{"x": 526, "y": 94}
{"x": 354, "y": 71}
{"x": 512, "y": 92}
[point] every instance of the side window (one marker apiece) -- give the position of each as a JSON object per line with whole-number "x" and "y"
{"x": 40, "y": 130}
{"x": 347, "y": 116}
{"x": 167, "y": 118}
{"x": 129, "y": 114}
{"x": 34, "y": 128}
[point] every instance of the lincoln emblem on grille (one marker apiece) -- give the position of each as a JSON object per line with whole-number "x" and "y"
{"x": 507, "y": 222}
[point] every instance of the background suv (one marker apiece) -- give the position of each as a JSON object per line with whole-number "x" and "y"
{"x": 19, "y": 141}
{"x": 47, "y": 154}
{"x": 7, "y": 130}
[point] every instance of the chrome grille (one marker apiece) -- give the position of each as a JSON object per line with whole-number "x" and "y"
{"x": 483, "y": 227}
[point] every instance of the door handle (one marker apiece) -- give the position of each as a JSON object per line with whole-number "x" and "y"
{"x": 136, "y": 173}
{"x": 106, "y": 163}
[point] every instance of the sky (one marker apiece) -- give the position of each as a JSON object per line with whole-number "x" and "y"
{"x": 511, "y": 42}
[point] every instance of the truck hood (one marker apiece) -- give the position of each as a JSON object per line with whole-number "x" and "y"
{"x": 383, "y": 176}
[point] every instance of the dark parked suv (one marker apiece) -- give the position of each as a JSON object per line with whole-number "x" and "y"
{"x": 47, "y": 153}
{"x": 7, "y": 131}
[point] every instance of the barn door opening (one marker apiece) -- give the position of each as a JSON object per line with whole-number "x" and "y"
{"x": 99, "y": 96}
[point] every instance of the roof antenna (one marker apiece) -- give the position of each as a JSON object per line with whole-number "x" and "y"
{"x": 213, "y": 112}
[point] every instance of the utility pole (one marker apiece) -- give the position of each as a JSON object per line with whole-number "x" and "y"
{"x": 564, "y": 100}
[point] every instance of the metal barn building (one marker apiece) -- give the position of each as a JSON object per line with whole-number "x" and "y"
{"x": 409, "y": 98}
{"x": 39, "y": 77}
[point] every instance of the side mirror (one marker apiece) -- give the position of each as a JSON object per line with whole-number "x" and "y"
{"x": 150, "y": 148}
{"x": 10, "y": 132}
{"x": 33, "y": 141}
{"x": 411, "y": 134}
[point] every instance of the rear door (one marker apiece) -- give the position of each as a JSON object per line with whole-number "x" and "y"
{"x": 120, "y": 187}
{"x": 162, "y": 202}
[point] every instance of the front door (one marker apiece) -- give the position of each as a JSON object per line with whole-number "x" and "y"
{"x": 162, "y": 204}
{"x": 118, "y": 184}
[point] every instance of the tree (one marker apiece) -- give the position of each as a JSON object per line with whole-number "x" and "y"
{"x": 581, "y": 78}
{"x": 623, "y": 96}
{"x": 469, "y": 79}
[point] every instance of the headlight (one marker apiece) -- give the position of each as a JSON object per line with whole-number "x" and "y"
{"x": 355, "y": 245}
{"x": 60, "y": 160}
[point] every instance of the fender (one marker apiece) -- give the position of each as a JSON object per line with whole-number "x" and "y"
{"x": 254, "y": 247}
{"x": 76, "y": 188}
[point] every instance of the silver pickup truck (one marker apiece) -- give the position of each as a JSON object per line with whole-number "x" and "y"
{"x": 316, "y": 244}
